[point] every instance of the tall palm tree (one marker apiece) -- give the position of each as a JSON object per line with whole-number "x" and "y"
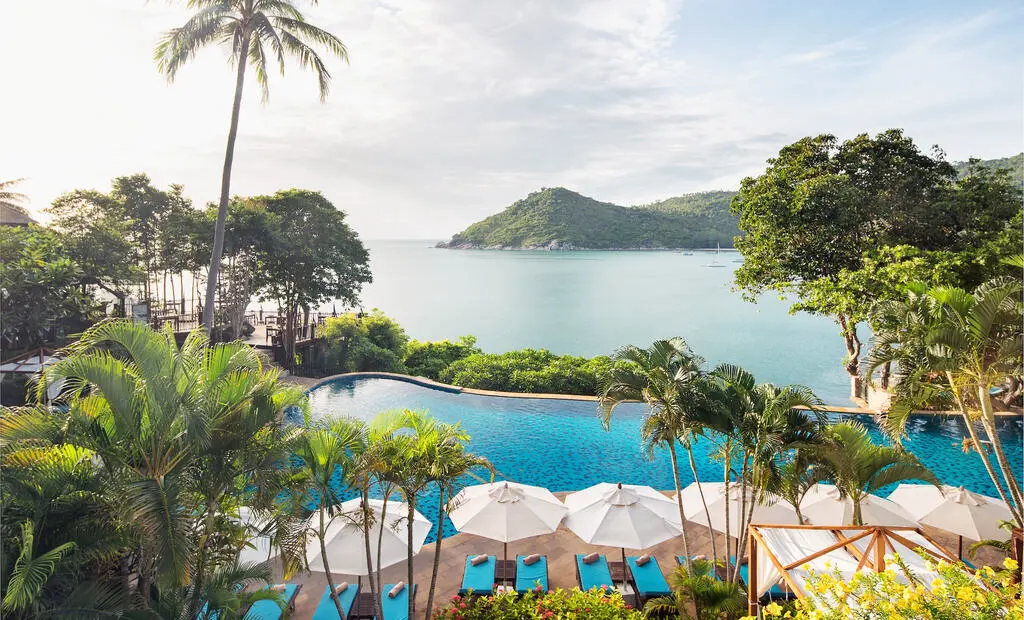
{"x": 183, "y": 432}
{"x": 329, "y": 453}
{"x": 251, "y": 30}
{"x": 450, "y": 464}
{"x": 952, "y": 347}
{"x": 859, "y": 467}
{"x": 660, "y": 376}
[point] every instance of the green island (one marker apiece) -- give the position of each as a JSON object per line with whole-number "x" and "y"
{"x": 561, "y": 219}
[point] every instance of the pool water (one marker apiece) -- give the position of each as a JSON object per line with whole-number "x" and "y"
{"x": 561, "y": 445}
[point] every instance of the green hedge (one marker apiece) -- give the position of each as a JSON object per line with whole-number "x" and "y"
{"x": 595, "y": 605}
{"x": 530, "y": 370}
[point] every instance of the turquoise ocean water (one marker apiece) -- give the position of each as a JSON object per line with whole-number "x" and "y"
{"x": 589, "y": 303}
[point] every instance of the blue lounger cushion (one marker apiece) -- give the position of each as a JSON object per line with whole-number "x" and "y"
{"x": 396, "y": 608}
{"x": 270, "y": 610}
{"x": 326, "y": 610}
{"x": 527, "y": 577}
{"x": 648, "y": 579}
{"x": 594, "y": 575}
{"x": 479, "y": 578}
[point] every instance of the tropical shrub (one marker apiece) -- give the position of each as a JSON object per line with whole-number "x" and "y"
{"x": 530, "y": 370}
{"x": 594, "y": 604}
{"x": 364, "y": 342}
{"x": 698, "y": 588}
{"x": 954, "y": 593}
{"x": 429, "y": 359}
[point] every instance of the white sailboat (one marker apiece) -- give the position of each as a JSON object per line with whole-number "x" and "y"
{"x": 714, "y": 261}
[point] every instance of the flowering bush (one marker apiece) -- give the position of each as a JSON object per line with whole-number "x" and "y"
{"x": 556, "y": 605}
{"x": 954, "y": 594}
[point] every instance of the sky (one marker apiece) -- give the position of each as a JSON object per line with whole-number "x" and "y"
{"x": 450, "y": 110}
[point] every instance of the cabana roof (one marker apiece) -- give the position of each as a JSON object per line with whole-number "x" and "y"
{"x": 793, "y": 552}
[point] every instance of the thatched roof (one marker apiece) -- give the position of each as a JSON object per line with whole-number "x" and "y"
{"x": 13, "y": 216}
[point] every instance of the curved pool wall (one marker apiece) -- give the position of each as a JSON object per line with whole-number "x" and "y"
{"x": 561, "y": 445}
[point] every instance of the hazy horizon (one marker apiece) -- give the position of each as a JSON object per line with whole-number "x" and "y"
{"x": 450, "y": 111}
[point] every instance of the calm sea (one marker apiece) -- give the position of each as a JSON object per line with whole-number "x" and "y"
{"x": 590, "y": 303}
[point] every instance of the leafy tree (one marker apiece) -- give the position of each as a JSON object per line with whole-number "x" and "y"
{"x": 818, "y": 223}
{"x": 249, "y": 29}
{"x": 311, "y": 257}
{"x": 364, "y": 342}
{"x": 951, "y": 347}
{"x": 430, "y": 358}
{"x": 530, "y": 370}
{"x": 40, "y": 288}
{"x": 859, "y": 467}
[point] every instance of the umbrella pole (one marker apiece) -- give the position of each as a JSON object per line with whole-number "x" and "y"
{"x": 623, "y": 549}
{"x": 504, "y": 566}
{"x": 960, "y": 548}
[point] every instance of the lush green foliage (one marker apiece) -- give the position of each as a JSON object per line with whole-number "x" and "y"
{"x": 40, "y": 288}
{"x": 368, "y": 342}
{"x": 1013, "y": 163}
{"x": 950, "y": 347}
{"x": 430, "y": 358}
{"x": 529, "y": 370}
{"x": 140, "y": 475}
{"x": 841, "y": 225}
{"x": 559, "y": 603}
{"x": 899, "y": 594}
{"x": 558, "y": 218}
{"x": 698, "y": 587}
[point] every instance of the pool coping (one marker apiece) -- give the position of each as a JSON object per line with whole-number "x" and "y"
{"x": 456, "y": 389}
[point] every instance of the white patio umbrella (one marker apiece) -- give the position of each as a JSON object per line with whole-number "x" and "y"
{"x": 346, "y": 546}
{"x": 822, "y": 505}
{"x": 766, "y": 511}
{"x": 506, "y": 511}
{"x": 955, "y": 510}
{"x": 622, "y": 515}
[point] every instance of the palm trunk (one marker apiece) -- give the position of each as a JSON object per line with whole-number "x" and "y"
{"x": 327, "y": 568}
{"x": 679, "y": 500}
{"x": 978, "y": 447}
{"x": 408, "y": 529}
{"x": 707, "y": 512}
{"x": 728, "y": 538}
{"x": 437, "y": 553}
{"x": 852, "y": 342}
{"x": 988, "y": 423}
{"x": 369, "y": 553}
{"x": 225, "y": 186}
{"x": 858, "y": 518}
{"x": 743, "y": 513}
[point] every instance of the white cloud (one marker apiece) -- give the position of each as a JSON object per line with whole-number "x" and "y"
{"x": 452, "y": 109}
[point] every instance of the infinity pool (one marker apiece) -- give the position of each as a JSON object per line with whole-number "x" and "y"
{"x": 560, "y": 444}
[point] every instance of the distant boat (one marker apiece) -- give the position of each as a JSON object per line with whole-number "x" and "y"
{"x": 687, "y": 253}
{"x": 714, "y": 261}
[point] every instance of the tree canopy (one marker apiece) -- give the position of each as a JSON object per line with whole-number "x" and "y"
{"x": 842, "y": 224}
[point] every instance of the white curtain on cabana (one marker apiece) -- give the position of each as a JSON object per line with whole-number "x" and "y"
{"x": 792, "y": 545}
{"x": 908, "y": 555}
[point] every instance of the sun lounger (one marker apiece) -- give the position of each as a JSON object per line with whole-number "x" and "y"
{"x": 776, "y": 592}
{"x": 529, "y": 577}
{"x": 648, "y": 581}
{"x": 595, "y": 575}
{"x": 327, "y": 610}
{"x": 480, "y": 578}
{"x": 397, "y": 608}
{"x": 270, "y": 610}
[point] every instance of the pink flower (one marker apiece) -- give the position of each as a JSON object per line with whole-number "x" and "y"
{"x": 456, "y": 597}
{"x": 549, "y": 614}
{"x": 462, "y": 605}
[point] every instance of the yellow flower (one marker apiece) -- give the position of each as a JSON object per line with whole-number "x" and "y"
{"x": 773, "y": 609}
{"x": 1010, "y": 564}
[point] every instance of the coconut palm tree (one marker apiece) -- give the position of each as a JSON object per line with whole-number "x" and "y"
{"x": 449, "y": 464}
{"x": 260, "y": 32}
{"x": 658, "y": 376}
{"x": 764, "y": 421}
{"x": 859, "y": 467}
{"x": 952, "y": 347}
{"x": 329, "y": 453}
{"x": 180, "y": 431}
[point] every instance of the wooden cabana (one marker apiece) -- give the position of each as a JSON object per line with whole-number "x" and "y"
{"x": 790, "y": 553}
